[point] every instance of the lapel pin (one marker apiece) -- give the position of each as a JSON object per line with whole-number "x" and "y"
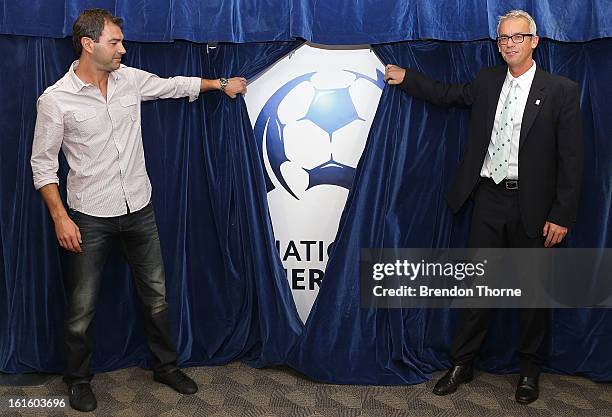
{"x": 537, "y": 102}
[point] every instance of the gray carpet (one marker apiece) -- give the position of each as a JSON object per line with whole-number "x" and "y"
{"x": 236, "y": 390}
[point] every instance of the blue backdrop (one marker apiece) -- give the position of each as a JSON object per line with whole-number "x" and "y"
{"x": 332, "y": 21}
{"x": 226, "y": 287}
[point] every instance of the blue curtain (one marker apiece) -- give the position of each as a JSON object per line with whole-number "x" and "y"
{"x": 333, "y": 22}
{"x": 240, "y": 205}
{"x": 227, "y": 290}
{"x": 226, "y": 287}
{"x": 398, "y": 200}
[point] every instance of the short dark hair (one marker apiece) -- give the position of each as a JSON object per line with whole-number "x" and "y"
{"x": 90, "y": 24}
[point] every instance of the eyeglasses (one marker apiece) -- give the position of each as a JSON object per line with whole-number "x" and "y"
{"x": 517, "y": 38}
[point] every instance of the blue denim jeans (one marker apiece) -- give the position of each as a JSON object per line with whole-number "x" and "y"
{"x": 135, "y": 234}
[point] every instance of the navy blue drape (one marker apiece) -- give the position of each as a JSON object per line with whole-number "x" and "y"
{"x": 398, "y": 200}
{"x": 226, "y": 287}
{"x": 227, "y": 290}
{"x": 332, "y": 22}
{"x": 240, "y": 204}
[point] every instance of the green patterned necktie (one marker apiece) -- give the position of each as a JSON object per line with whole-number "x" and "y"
{"x": 500, "y": 149}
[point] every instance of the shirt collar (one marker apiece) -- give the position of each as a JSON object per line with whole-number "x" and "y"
{"x": 524, "y": 81}
{"x": 77, "y": 82}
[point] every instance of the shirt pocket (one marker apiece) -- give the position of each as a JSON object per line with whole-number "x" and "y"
{"x": 129, "y": 107}
{"x": 85, "y": 122}
{"x": 84, "y": 114}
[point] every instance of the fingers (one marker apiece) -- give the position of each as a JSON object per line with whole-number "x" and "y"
{"x": 388, "y": 69}
{"x": 559, "y": 235}
{"x": 548, "y": 241}
{"x": 62, "y": 243}
{"x": 243, "y": 85}
{"x": 69, "y": 236}
{"x": 242, "y": 82}
{"x": 393, "y": 74}
{"x": 548, "y": 234}
{"x": 554, "y": 234}
{"x": 236, "y": 85}
{"x": 76, "y": 239}
{"x": 74, "y": 244}
{"x": 553, "y": 239}
{"x": 69, "y": 243}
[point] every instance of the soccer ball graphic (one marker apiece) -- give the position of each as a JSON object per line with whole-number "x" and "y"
{"x": 313, "y": 129}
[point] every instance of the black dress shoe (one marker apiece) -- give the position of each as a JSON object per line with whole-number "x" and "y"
{"x": 527, "y": 390}
{"x": 455, "y": 376}
{"x": 178, "y": 381}
{"x": 82, "y": 397}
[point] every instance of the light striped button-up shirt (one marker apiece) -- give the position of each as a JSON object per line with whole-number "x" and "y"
{"x": 522, "y": 92}
{"x": 101, "y": 139}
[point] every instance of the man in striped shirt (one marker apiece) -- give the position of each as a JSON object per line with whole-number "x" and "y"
{"x": 93, "y": 114}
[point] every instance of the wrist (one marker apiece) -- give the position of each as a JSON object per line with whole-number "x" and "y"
{"x": 223, "y": 83}
{"x": 209, "y": 84}
{"x": 59, "y": 217}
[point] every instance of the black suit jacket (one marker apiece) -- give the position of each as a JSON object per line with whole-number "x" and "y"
{"x": 550, "y": 147}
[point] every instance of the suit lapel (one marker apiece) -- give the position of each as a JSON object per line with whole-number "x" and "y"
{"x": 535, "y": 101}
{"x": 493, "y": 98}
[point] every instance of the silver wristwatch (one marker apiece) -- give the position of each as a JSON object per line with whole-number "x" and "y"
{"x": 223, "y": 82}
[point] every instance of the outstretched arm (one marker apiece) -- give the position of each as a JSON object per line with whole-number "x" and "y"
{"x": 152, "y": 87}
{"x": 423, "y": 87}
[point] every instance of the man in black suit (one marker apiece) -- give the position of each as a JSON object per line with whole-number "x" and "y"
{"x": 522, "y": 118}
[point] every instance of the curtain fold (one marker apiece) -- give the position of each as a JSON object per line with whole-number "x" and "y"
{"x": 337, "y": 22}
{"x": 237, "y": 180}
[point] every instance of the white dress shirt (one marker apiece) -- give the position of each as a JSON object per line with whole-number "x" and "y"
{"x": 101, "y": 139}
{"x": 523, "y": 86}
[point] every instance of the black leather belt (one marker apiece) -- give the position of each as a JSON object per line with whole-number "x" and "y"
{"x": 507, "y": 184}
